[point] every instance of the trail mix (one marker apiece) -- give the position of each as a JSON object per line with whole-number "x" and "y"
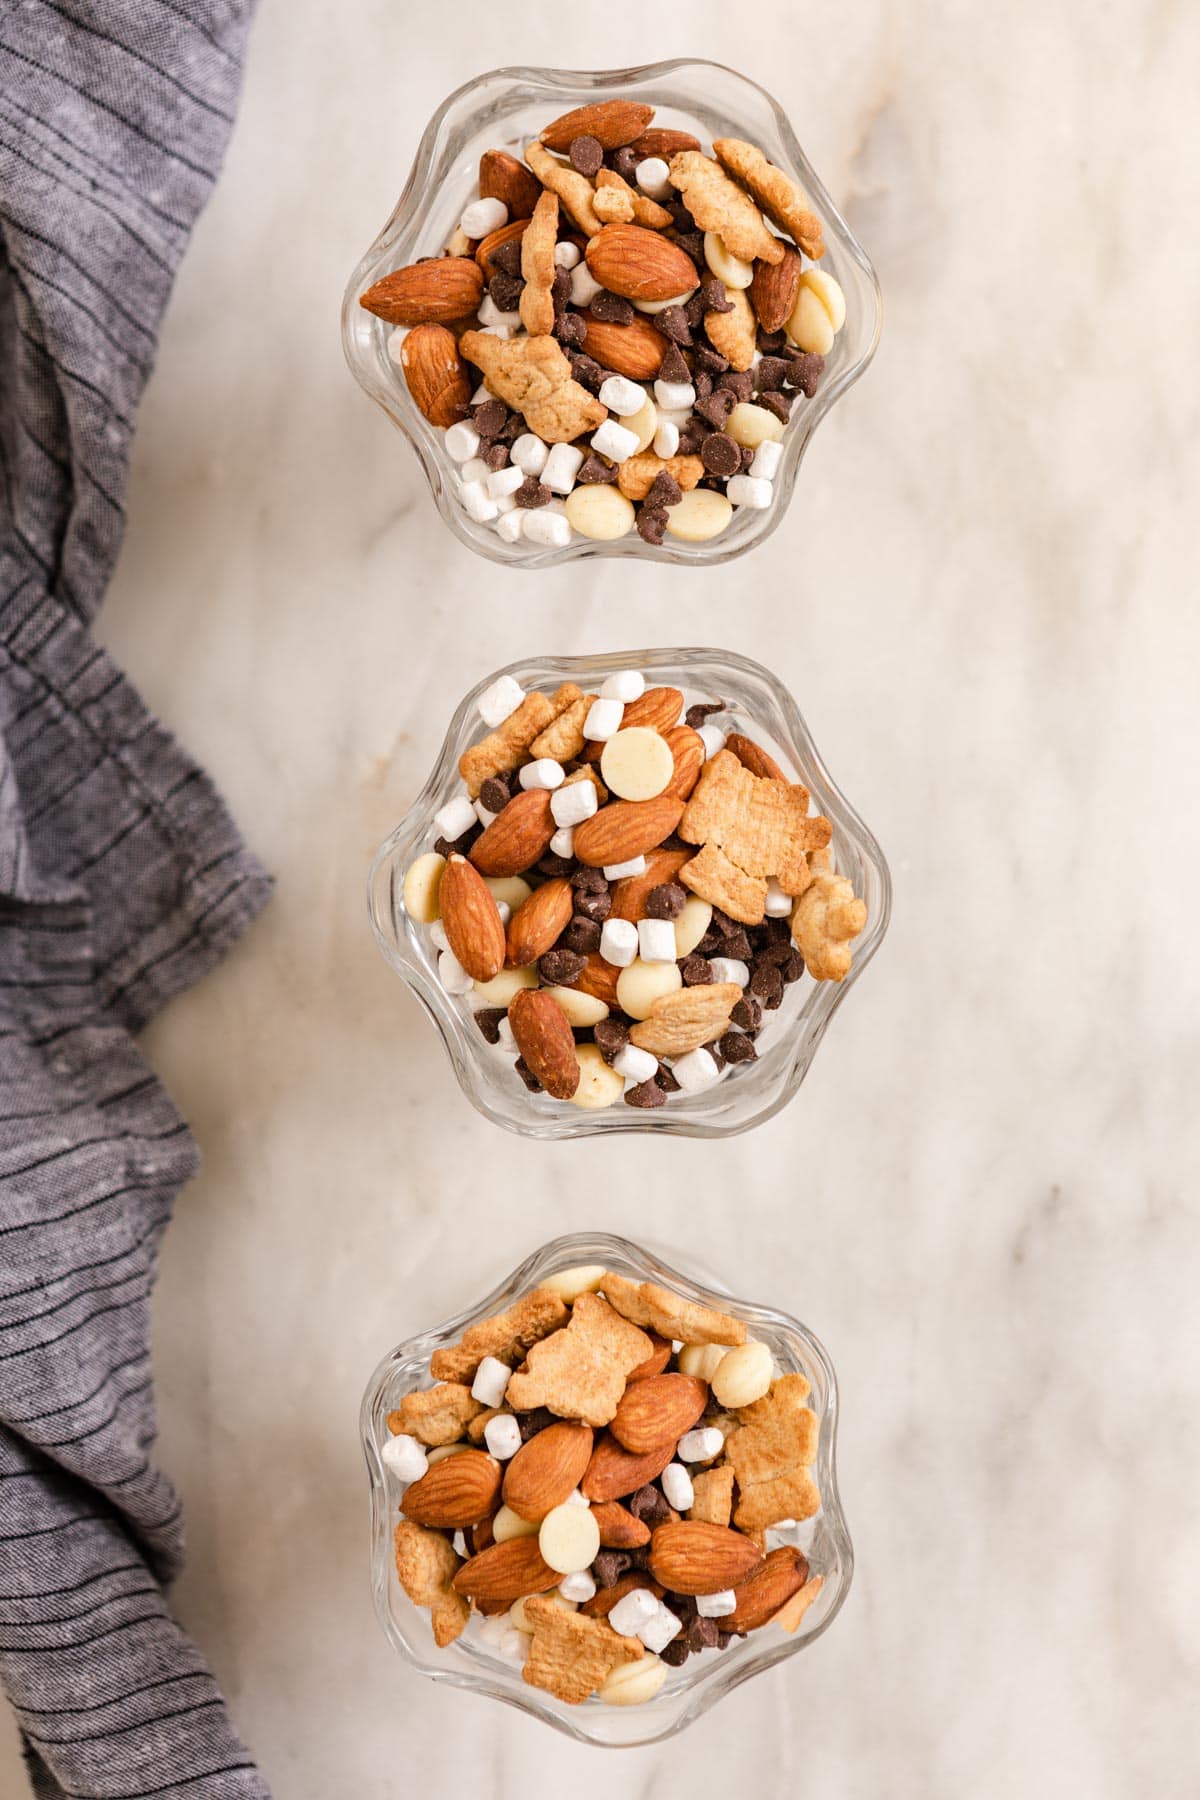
{"x": 641, "y": 333}
{"x": 595, "y": 1476}
{"x": 626, "y": 888}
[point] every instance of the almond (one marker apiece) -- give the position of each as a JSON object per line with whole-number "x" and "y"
{"x": 547, "y": 1469}
{"x": 436, "y": 374}
{"x": 635, "y": 350}
{"x": 441, "y": 287}
{"x": 655, "y": 1363}
{"x": 690, "y": 1557}
{"x": 504, "y": 1572}
{"x": 460, "y": 1490}
{"x": 601, "y": 1604}
{"x": 545, "y": 1040}
{"x": 619, "y": 1530}
{"x": 517, "y": 836}
{"x": 657, "y": 709}
{"x": 502, "y": 177}
{"x": 599, "y": 979}
{"x": 613, "y": 122}
{"x": 660, "y": 141}
{"x": 482, "y": 1535}
{"x": 626, "y": 828}
{"x": 629, "y": 895}
{"x": 471, "y": 920}
{"x": 774, "y": 289}
{"x": 538, "y": 923}
{"x": 752, "y": 756}
{"x": 779, "y": 1575}
{"x": 658, "y": 1410}
{"x": 640, "y": 264}
{"x": 503, "y": 234}
{"x": 687, "y": 749}
{"x": 614, "y": 1471}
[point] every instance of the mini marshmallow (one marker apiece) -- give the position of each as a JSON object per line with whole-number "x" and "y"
{"x": 563, "y": 841}
{"x": 572, "y": 804}
{"x": 544, "y": 773}
{"x": 566, "y": 255}
{"x": 461, "y": 441}
{"x": 584, "y": 286}
{"x": 603, "y": 720}
{"x": 482, "y": 392}
{"x": 405, "y": 1458}
{"x": 483, "y": 216}
{"x": 659, "y": 1628}
{"x": 713, "y": 739}
{"x": 632, "y": 1611}
{"x": 395, "y": 344}
{"x": 767, "y": 459}
{"x": 459, "y": 1541}
{"x": 674, "y": 395}
{"x": 653, "y": 177}
{"x": 457, "y": 816}
{"x": 578, "y": 1587}
{"x": 634, "y": 1064}
{"x": 560, "y": 468}
{"x": 677, "y": 1486}
{"x": 622, "y": 396}
{"x": 502, "y": 1435}
{"x": 728, "y": 968}
{"x": 479, "y": 503}
{"x": 511, "y": 525}
{"x": 506, "y": 503}
{"x": 501, "y": 482}
{"x": 452, "y": 975}
{"x": 716, "y": 1606}
{"x": 546, "y": 527}
{"x": 484, "y": 816}
{"x": 491, "y": 316}
{"x": 515, "y": 1646}
{"x": 506, "y": 1039}
{"x": 666, "y": 439}
{"x": 474, "y": 469}
{"x": 695, "y": 1070}
{"x": 625, "y": 685}
{"x": 750, "y": 492}
{"x": 615, "y": 441}
{"x": 437, "y": 936}
{"x": 656, "y": 940}
{"x": 529, "y": 453}
{"x": 779, "y": 905}
{"x": 618, "y": 871}
{"x": 618, "y": 942}
{"x": 700, "y": 1445}
{"x": 491, "y": 1379}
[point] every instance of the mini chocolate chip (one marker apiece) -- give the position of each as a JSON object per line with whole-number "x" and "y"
{"x": 779, "y": 404}
{"x": 771, "y": 342}
{"x": 673, "y": 323}
{"x": 612, "y": 309}
{"x": 489, "y": 418}
{"x": 594, "y": 905}
{"x": 702, "y": 1634}
{"x": 645, "y": 1094}
{"x": 792, "y": 968}
{"x": 595, "y": 471}
{"x": 569, "y": 328}
{"x": 461, "y": 845}
{"x": 676, "y": 1653}
{"x": 696, "y": 971}
{"x": 561, "y": 288}
{"x": 664, "y": 491}
{"x": 533, "y": 1422}
{"x": 608, "y": 1566}
{"x": 507, "y": 257}
{"x": 773, "y": 952}
{"x": 767, "y": 983}
{"x": 697, "y": 715}
{"x": 527, "y": 1075}
{"x": 748, "y": 454}
{"x": 514, "y": 429}
{"x": 586, "y": 154}
{"x": 674, "y": 368}
{"x": 719, "y": 454}
{"x": 747, "y": 1013}
{"x": 559, "y": 968}
{"x": 692, "y": 244}
{"x": 488, "y": 1020}
{"x": 714, "y": 1050}
{"x": 694, "y": 309}
{"x": 691, "y": 436}
{"x": 611, "y": 1037}
{"x": 582, "y": 935}
{"x": 702, "y": 381}
{"x": 725, "y": 1638}
{"x": 772, "y": 373}
{"x": 505, "y": 291}
{"x": 625, "y": 161}
{"x": 683, "y": 219}
{"x": 666, "y": 1080}
{"x": 711, "y": 361}
{"x": 494, "y": 794}
{"x": 652, "y": 525}
{"x": 532, "y": 492}
{"x": 712, "y": 293}
{"x": 494, "y": 455}
{"x": 649, "y": 1504}
{"x": 587, "y": 371}
{"x": 737, "y": 945}
{"x": 805, "y": 370}
{"x": 666, "y": 901}
{"x": 589, "y": 880}
{"x": 723, "y": 923}
{"x": 736, "y": 1047}
{"x": 739, "y": 382}
{"x": 554, "y": 866}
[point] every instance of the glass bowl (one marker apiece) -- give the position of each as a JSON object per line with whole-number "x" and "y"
{"x": 703, "y": 1680}
{"x": 745, "y": 1095}
{"x": 504, "y": 110}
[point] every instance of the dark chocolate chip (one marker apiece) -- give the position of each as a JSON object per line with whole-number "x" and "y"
{"x": 625, "y": 162}
{"x": 506, "y": 291}
{"x": 696, "y": 971}
{"x": 645, "y": 1094}
{"x": 771, "y": 342}
{"x": 612, "y": 309}
{"x": 691, "y": 436}
{"x": 702, "y": 1634}
{"x": 673, "y": 323}
{"x": 559, "y": 968}
{"x": 694, "y": 309}
{"x": 507, "y": 257}
{"x": 494, "y": 455}
{"x": 676, "y": 1653}
{"x": 586, "y": 154}
{"x": 649, "y": 1504}
{"x": 532, "y": 492}
{"x": 792, "y": 968}
{"x": 494, "y": 794}
{"x": 527, "y": 1075}
{"x": 489, "y": 418}
{"x": 611, "y": 1037}
{"x": 684, "y": 221}
{"x": 666, "y": 1080}
{"x": 595, "y": 471}
{"x": 740, "y": 383}
{"x": 736, "y": 1047}
{"x": 716, "y": 407}
{"x": 569, "y": 328}
{"x": 713, "y": 295}
{"x": 582, "y": 935}
{"x": 587, "y": 372}
{"x": 772, "y": 372}
{"x": 747, "y": 1013}
{"x": 594, "y": 905}
{"x": 533, "y": 1422}
{"x": 711, "y": 361}
{"x": 608, "y": 1566}
{"x": 666, "y": 901}
{"x": 589, "y": 880}
{"x": 652, "y": 525}
{"x": 555, "y": 866}
{"x": 748, "y": 454}
{"x": 664, "y": 491}
{"x": 692, "y": 244}
{"x": 697, "y": 715}
{"x": 767, "y": 983}
{"x": 779, "y": 404}
{"x": 488, "y": 1020}
{"x": 560, "y": 291}
{"x": 737, "y": 945}
{"x": 805, "y": 370}
{"x": 674, "y": 368}
{"x": 461, "y": 845}
{"x": 702, "y": 381}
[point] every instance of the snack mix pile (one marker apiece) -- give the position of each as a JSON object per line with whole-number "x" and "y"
{"x": 625, "y": 889}
{"x": 616, "y": 256}
{"x": 596, "y": 1475}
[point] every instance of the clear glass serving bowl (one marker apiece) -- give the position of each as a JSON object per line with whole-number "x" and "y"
{"x": 504, "y": 110}
{"x": 702, "y": 1680}
{"x": 745, "y": 1095}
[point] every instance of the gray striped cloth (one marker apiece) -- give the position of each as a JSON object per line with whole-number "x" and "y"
{"x": 122, "y": 879}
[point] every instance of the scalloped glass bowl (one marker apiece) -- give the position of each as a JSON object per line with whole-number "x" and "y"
{"x": 745, "y": 1095}
{"x": 703, "y": 1680}
{"x": 504, "y": 110}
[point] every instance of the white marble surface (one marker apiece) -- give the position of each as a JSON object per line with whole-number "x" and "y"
{"x": 984, "y": 1198}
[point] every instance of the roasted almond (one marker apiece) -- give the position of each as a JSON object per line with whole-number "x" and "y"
{"x": 655, "y": 1363}
{"x": 626, "y": 828}
{"x": 779, "y": 1575}
{"x": 503, "y": 234}
{"x": 436, "y": 374}
{"x": 598, "y": 978}
{"x": 660, "y": 140}
{"x": 640, "y": 264}
{"x": 602, "y": 1603}
{"x": 657, "y": 709}
{"x": 774, "y": 289}
{"x": 517, "y": 836}
{"x": 504, "y": 1572}
{"x": 619, "y": 1530}
{"x": 629, "y": 895}
{"x": 690, "y": 1557}
{"x": 545, "y": 1040}
{"x": 752, "y": 756}
{"x": 687, "y": 749}
{"x": 441, "y": 287}
{"x": 613, "y": 122}
{"x": 635, "y": 350}
{"x": 658, "y": 1410}
{"x": 547, "y": 1469}
{"x": 539, "y": 922}
{"x": 502, "y": 177}
{"x": 614, "y": 1472}
{"x": 457, "y": 1491}
{"x": 471, "y": 920}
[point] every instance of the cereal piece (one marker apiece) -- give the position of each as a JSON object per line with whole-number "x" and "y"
{"x": 700, "y": 515}
{"x": 714, "y": 878}
{"x": 718, "y": 204}
{"x": 793, "y": 1610}
{"x": 686, "y": 1019}
{"x": 563, "y": 737}
{"x": 762, "y": 825}
{"x": 506, "y": 1336}
{"x": 733, "y": 333}
{"x": 538, "y": 267}
{"x": 579, "y": 1372}
{"x": 638, "y": 473}
{"x": 637, "y": 763}
{"x": 771, "y": 1452}
{"x": 828, "y": 915}
{"x": 571, "y": 1655}
{"x": 782, "y": 199}
{"x": 669, "y": 1315}
{"x": 426, "y": 1564}
{"x": 573, "y": 189}
{"x": 631, "y": 204}
{"x": 436, "y": 1415}
{"x": 713, "y": 1489}
{"x": 507, "y": 747}
{"x": 600, "y": 513}
{"x": 533, "y": 375}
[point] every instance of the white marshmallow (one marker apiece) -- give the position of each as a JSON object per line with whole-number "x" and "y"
{"x": 458, "y": 815}
{"x": 405, "y": 1457}
{"x": 479, "y": 503}
{"x": 728, "y": 968}
{"x": 511, "y": 525}
{"x": 506, "y": 503}
{"x": 579, "y": 1587}
{"x": 615, "y": 441}
{"x": 502, "y": 1435}
{"x": 653, "y": 177}
{"x": 515, "y": 1646}
{"x": 459, "y": 1541}
{"x": 395, "y": 344}
{"x": 716, "y": 1606}
{"x": 437, "y": 936}
{"x": 603, "y": 720}
{"x": 767, "y": 459}
{"x": 674, "y": 395}
{"x": 658, "y": 306}
{"x": 677, "y": 1486}
{"x": 750, "y": 492}
{"x": 482, "y": 392}
{"x": 482, "y": 216}
{"x": 530, "y": 453}
{"x": 506, "y": 1039}
{"x": 491, "y": 1379}
{"x": 572, "y": 804}
{"x": 713, "y": 739}
{"x": 452, "y": 975}
{"x": 502, "y": 482}
{"x": 584, "y": 286}
{"x": 474, "y": 469}
{"x": 666, "y": 438}
{"x": 545, "y": 527}
{"x": 625, "y": 685}
{"x": 656, "y": 940}
{"x": 632, "y": 1611}
{"x": 695, "y": 1070}
{"x": 491, "y": 316}
{"x": 779, "y": 904}
{"x": 622, "y": 396}
{"x": 659, "y": 1628}
{"x": 566, "y": 256}
{"x": 563, "y": 841}
{"x": 618, "y": 942}
{"x": 634, "y": 1064}
{"x": 561, "y": 467}
{"x": 483, "y": 815}
{"x": 461, "y": 441}
{"x": 544, "y": 773}
{"x": 618, "y": 871}
{"x": 700, "y": 1445}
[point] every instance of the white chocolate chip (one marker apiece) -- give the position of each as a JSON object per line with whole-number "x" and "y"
{"x": 569, "y": 1538}
{"x": 703, "y": 513}
{"x": 642, "y": 983}
{"x": 636, "y": 762}
{"x": 743, "y": 1375}
{"x": 600, "y": 512}
{"x": 422, "y": 883}
{"x": 750, "y": 425}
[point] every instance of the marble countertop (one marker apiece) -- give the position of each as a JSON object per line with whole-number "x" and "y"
{"x": 984, "y": 1198}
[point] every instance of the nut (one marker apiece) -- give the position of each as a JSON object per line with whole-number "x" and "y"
{"x": 614, "y": 1471}
{"x": 537, "y": 925}
{"x": 661, "y": 141}
{"x": 460, "y": 1490}
{"x": 752, "y": 756}
{"x": 502, "y": 177}
{"x": 640, "y": 264}
{"x": 687, "y": 750}
{"x": 691, "y": 1557}
{"x": 611, "y": 122}
{"x": 624, "y": 829}
{"x": 441, "y": 287}
{"x": 436, "y": 374}
{"x": 635, "y": 350}
{"x": 517, "y": 836}
{"x": 619, "y": 1530}
{"x": 546, "y": 1041}
{"x": 547, "y": 1469}
{"x": 774, "y": 288}
{"x": 778, "y": 1576}
{"x": 629, "y": 895}
{"x": 503, "y": 234}
{"x": 471, "y": 920}
{"x": 658, "y": 1409}
{"x": 504, "y": 1573}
